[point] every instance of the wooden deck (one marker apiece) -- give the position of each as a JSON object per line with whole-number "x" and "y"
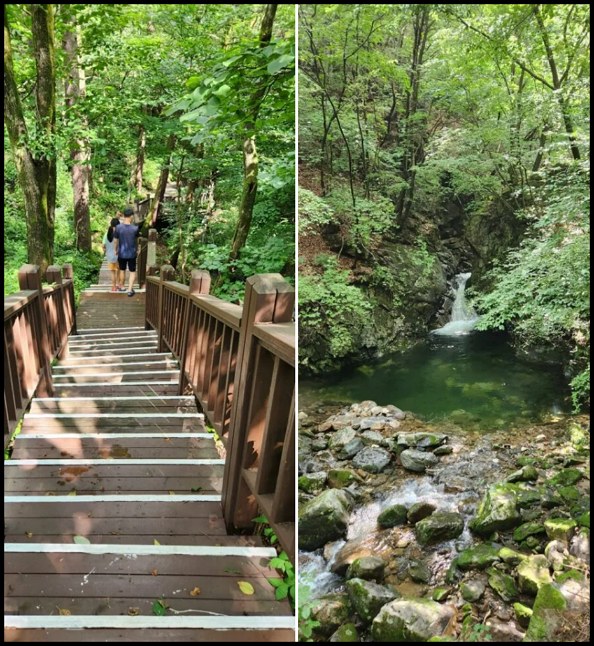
{"x": 113, "y": 523}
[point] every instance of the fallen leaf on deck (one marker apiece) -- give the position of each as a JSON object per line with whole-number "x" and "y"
{"x": 154, "y": 572}
{"x": 159, "y": 608}
{"x": 64, "y": 612}
{"x": 81, "y": 540}
{"x": 29, "y": 534}
{"x": 156, "y": 542}
{"x": 195, "y": 592}
{"x": 133, "y": 611}
{"x": 72, "y": 493}
{"x": 172, "y": 493}
{"x": 245, "y": 587}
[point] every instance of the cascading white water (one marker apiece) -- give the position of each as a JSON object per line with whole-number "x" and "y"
{"x": 463, "y": 317}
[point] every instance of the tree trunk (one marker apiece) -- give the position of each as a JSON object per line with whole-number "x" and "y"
{"x": 75, "y": 88}
{"x": 250, "y": 155}
{"x": 139, "y": 168}
{"x": 557, "y": 85}
{"x": 37, "y": 175}
{"x": 162, "y": 184}
{"x": 248, "y": 196}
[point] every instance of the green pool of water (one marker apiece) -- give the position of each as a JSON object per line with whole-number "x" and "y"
{"x": 473, "y": 380}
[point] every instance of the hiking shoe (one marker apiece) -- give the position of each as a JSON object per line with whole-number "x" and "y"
{"x": 122, "y": 289}
{"x": 114, "y": 289}
{"x": 131, "y": 293}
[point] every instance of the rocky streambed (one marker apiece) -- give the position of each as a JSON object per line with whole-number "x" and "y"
{"x": 414, "y": 532}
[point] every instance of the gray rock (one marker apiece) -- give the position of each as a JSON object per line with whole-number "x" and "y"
{"x": 372, "y": 459}
{"x": 440, "y": 526}
{"x": 420, "y": 510}
{"x": 374, "y": 423}
{"x": 323, "y": 519}
{"x": 351, "y": 449}
{"x": 373, "y": 437}
{"x": 395, "y": 412}
{"x": 319, "y": 443}
{"x": 421, "y": 440}
{"x": 370, "y": 568}
{"x": 525, "y": 474}
{"x": 580, "y": 547}
{"x": 368, "y": 598}
{"x": 472, "y": 590}
{"x": 443, "y": 450}
{"x": 419, "y": 572}
{"x": 411, "y": 620}
{"x": 341, "y": 438}
{"x": 417, "y": 460}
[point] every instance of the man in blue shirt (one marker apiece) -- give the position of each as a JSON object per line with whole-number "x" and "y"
{"x": 125, "y": 241}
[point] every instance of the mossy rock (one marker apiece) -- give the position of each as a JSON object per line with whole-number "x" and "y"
{"x": 478, "y": 558}
{"x": 441, "y": 594}
{"x": 529, "y": 497}
{"x": 368, "y": 598}
{"x": 523, "y": 614}
{"x": 584, "y": 520}
{"x": 340, "y": 478}
{"x": 346, "y": 633}
{"x": 511, "y": 557}
{"x": 411, "y": 620}
{"x": 370, "y": 568}
{"x": 497, "y": 511}
{"x": 331, "y": 612}
{"x": 419, "y": 572}
{"x": 569, "y": 494}
{"x": 546, "y": 614}
{"x": 453, "y": 572}
{"x": 533, "y": 573}
{"x": 522, "y": 532}
{"x": 420, "y": 510}
{"x": 393, "y": 516}
{"x": 503, "y": 584}
{"x": 570, "y": 575}
{"x": 527, "y": 473}
{"x": 440, "y": 526}
{"x": 566, "y": 477}
{"x": 561, "y": 529}
{"x": 311, "y": 482}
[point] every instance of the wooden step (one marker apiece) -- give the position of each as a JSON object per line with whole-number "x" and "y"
{"x": 139, "y": 404}
{"x": 117, "y": 377}
{"x": 124, "y": 389}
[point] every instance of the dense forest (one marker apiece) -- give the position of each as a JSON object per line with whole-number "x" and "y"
{"x": 435, "y": 140}
{"x": 106, "y": 104}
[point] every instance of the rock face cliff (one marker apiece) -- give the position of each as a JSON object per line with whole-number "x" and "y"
{"x": 407, "y": 279}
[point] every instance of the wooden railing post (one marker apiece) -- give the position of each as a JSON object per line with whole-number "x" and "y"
{"x": 68, "y": 274}
{"x": 30, "y": 278}
{"x": 53, "y": 274}
{"x": 167, "y": 273}
{"x": 199, "y": 284}
{"x": 268, "y": 299}
{"x": 151, "y": 270}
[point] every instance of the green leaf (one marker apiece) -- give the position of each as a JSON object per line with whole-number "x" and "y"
{"x": 281, "y": 592}
{"x": 246, "y": 588}
{"x": 81, "y": 540}
{"x": 278, "y": 63}
{"x": 193, "y": 82}
{"x": 223, "y": 90}
{"x": 275, "y": 582}
{"x": 159, "y": 608}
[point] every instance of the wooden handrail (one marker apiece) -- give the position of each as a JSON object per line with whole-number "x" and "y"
{"x": 239, "y": 362}
{"x": 37, "y": 321}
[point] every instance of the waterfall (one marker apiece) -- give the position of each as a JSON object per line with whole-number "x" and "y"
{"x": 463, "y": 317}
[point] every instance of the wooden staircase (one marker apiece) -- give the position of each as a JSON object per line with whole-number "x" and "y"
{"x": 113, "y": 523}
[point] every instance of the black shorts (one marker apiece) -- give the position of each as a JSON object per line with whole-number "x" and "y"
{"x": 131, "y": 262}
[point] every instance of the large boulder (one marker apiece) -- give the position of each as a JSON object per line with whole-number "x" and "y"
{"x": 368, "y": 598}
{"x": 310, "y": 482}
{"x": 323, "y": 519}
{"x": 497, "y": 511}
{"x": 547, "y": 612}
{"x": 440, "y": 526}
{"x": 417, "y": 461}
{"x": 411, "y": 620}
{"x": 420, "y": 510}
{"x": 372, "y": 459}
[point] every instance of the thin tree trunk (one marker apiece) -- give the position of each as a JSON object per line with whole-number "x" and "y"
{"x": 37, "y": 175}
{"x": 557, "y": 85}
{"x": 139, "y": 168}
{"x": 162, "y": 184}
{"x": 250, "y": 155}
{"x": 75, "y": 88}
